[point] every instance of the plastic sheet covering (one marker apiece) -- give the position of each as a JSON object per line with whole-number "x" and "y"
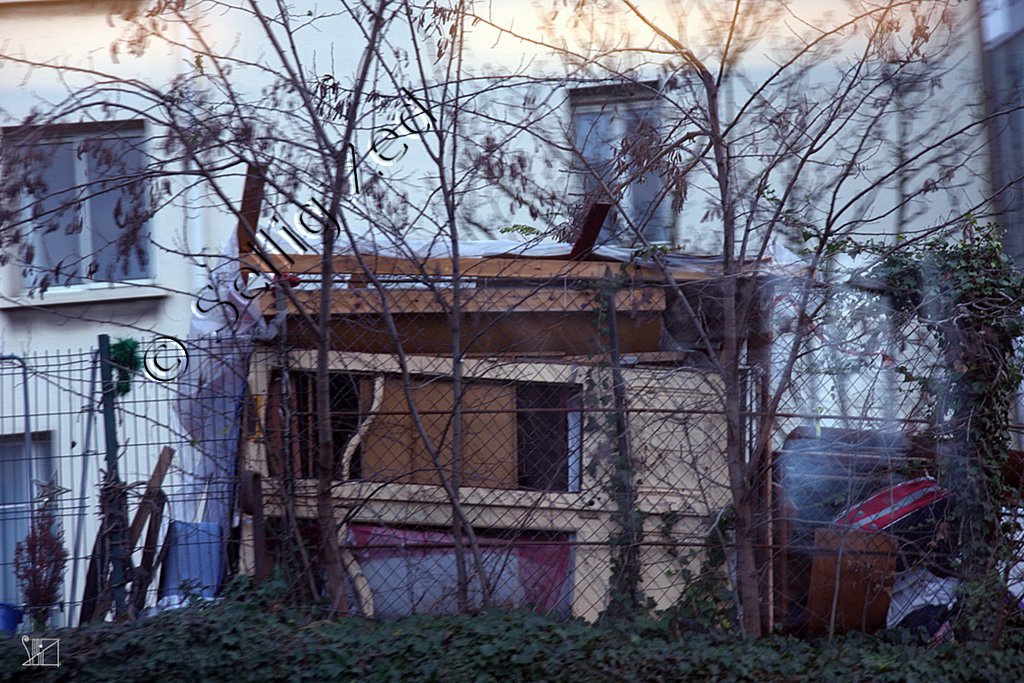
{"x": 193, "y": 565}
{"x": 210, "y": 391}
{"x": 413, "y": 571}
{"x": 780, "y": 259}
{"x": 916, "y": 588}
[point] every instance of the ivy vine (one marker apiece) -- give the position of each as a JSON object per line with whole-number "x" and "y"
{"x": 626, "y": 599}
{"x": 968, "y": 294}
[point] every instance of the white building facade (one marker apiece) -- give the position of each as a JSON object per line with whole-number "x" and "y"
{"x": 127, "y": 141}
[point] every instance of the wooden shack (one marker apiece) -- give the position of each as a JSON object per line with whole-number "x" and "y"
{"x": 544, "y": 341}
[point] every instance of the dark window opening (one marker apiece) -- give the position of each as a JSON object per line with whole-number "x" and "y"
{"x": 344, "y": 411}
{"x": 549, "y": 437}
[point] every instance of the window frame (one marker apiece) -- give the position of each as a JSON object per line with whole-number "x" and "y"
{"x": 621, "y": 104}
{"x": 41, "y": 467}
{"x": 27, "y": 276}
{"x": 303, "y": 456}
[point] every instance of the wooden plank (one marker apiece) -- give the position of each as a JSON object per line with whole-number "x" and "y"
{"x": 494, "y": 267}
{"x": 255, "y": 449}
{"x": 490, "y": 334}
{"x": 387, "y": 451}
{"x": 250, "y": 501}
{"x": 854, "y": 570}
{"x": 96, "y": 576}
{"x": 405, "y": 502}
{"x": 489, "y": 437}
{"x": 249, "y": 212}
{"x": 274, "y": 428}
{"x": 590, "y": 231}
{"x": 474, "y": 300}
{"x": 394, "y": 452}
{"x": 156, "y": 480}
{"x": 151, "y": 504}
{"x": 147, "y": 567}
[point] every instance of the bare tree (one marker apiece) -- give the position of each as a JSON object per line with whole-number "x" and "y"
{"x": 777, "y": 124}
{"x": 311, "y": 139}
{"x": 762, "y": 124}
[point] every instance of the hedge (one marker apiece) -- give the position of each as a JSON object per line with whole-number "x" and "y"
{"x": 256, "y": 637}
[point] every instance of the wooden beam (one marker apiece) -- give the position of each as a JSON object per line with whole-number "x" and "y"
{"x": 249, "y": 212}
{"x": 474, "y": 300}
{"x": 146, "y": 570}
{"x": 497, "y": 268}
{"x": 156, "y": 480}
{"x": 589, "y": 233}
{"x": 150, "y": 510}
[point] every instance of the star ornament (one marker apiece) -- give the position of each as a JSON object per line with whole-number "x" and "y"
{"x": 48, "y": 491}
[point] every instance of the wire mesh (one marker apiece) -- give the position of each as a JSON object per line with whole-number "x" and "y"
{"x": 532, "y": 473}
{"x": 866, "y": 472}
{"x": 537, "y": 469}
{"x": 68, "y": 451}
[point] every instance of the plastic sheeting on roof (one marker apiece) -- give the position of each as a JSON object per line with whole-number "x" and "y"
{"x": 779, "y": 258}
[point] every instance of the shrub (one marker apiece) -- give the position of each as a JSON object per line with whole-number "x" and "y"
{"x": 257, "y": 636}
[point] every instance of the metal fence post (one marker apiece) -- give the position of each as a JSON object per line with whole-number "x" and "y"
{"x": 116, "y": 510}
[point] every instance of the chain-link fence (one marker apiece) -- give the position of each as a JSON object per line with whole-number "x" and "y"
{"x": 563, "y": 460}
{"x": 537, "y": 474}
{"x": 867, "y": 470}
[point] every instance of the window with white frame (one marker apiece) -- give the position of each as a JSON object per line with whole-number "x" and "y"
{"x": 615, "y": 132}
{"x": 17, "y": 472}
{"x": 80, "y": 206}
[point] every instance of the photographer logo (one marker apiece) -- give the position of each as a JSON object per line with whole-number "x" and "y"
{"x": 41, "y": 651}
